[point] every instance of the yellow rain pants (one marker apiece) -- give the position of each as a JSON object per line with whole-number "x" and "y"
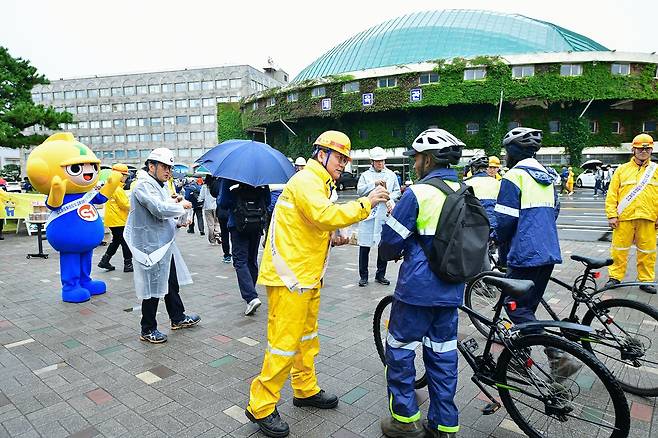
{"x": 642, "y": 232}
{"x": 292, "y": 344}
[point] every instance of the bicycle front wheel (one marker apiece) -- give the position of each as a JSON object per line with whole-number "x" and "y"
{"x": 623, "y": 340}
{"x": 380, "y": 331}
{"x": 552, "y": 387}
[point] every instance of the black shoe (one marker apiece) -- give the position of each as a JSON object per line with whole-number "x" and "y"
{"x": 128, "y": 265}
{"x": 649, "y": 288}
{"x": 202, "y": 233}
{"x": 272, "y": 425}
{"x": 321, "y": 400}
{"x": 363, "y": 282}
{"x": 190, "y": 231}
{"x": 383, "y": 281}
{"x": 2, "y": 238}
{"x": 188, "y": 321}
{"x": 154, "y": 337}
{"x": 612, "y": 282}
{"x": 105, "y": 264}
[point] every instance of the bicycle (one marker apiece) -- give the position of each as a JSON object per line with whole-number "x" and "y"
{"x": 540, "y": 398}
{"x": 623, "y": 328}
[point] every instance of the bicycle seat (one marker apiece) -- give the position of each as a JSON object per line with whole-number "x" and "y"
{"x": 510, "y": 286}
{"x": 592, "y": 263}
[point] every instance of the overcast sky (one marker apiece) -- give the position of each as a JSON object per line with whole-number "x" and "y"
{"x": 74, "y": 38}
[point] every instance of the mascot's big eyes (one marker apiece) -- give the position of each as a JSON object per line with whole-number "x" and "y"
{"x": 95, "y": 166}
{"x": 74, "y": 169}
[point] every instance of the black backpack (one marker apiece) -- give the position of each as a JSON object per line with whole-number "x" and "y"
{"x": 462, "y": 234}
{"x": 250, "y": 211}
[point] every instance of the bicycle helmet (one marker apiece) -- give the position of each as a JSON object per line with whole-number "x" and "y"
{"x": 479, "y": 161}
{"x": 524, "y": 137}
{"x": 442, "y": 145}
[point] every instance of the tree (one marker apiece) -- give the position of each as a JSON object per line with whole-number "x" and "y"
{"x": 17, "y": 111}
{"x": 575, "y": 137}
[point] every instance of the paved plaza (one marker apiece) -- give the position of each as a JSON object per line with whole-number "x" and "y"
{"x": 80, "y": 369}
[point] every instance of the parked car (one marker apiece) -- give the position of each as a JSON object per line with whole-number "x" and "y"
{"x": 347, "y": 180}
{"x": 13, "y": 186}
{"x": 586, "y": 179}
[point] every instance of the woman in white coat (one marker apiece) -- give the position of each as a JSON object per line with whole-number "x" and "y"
{"x": 150, "y": 232}
{"x": 370, "y": 229}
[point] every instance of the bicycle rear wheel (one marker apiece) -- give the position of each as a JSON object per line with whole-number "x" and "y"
{"x": 482, "y": 298}
{"x": 380, "y": 331}
{"x": 552, "y": 387}
{"x": 632, "y": 353}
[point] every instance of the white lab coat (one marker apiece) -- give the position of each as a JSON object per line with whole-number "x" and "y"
{"x": 370, "y": 229}
{"x": 150, "y": 233}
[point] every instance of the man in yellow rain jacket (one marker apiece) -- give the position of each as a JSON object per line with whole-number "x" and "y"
{"x": 116, "y": 213}
{"x": 293, "y": 265}
{"x": 632, "y": 210}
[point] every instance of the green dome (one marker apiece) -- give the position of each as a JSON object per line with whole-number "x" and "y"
{"x": 445, "y": 34}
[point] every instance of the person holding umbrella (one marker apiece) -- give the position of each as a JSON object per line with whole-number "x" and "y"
{"x": 301, "y": 232}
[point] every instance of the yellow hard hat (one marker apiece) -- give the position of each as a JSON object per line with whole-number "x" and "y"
{"x": 120, "y": 167}
{"x": 56, "y": 157}
{"x": 336, "y": 141}
{"x": 494, "y": 161}
{"x": 643, "y": 141}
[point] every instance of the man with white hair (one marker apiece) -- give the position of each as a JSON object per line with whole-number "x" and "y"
{"x": 370, "y": 229}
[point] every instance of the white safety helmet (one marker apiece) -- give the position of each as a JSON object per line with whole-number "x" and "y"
{"x": 524, "y": 137}
{"x": 377, "y": 154}
{"x": 162, "y": 155}
{"x": 300, "y": 161}
{"x": 445, "y": 147}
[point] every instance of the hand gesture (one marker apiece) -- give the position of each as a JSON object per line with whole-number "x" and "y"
{"x": 613, "y": 222}
{"x": 337, "y": 240}
{"x": 378, "y": 195}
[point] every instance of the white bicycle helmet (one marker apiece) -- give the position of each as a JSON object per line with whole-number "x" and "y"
{"x": 445, "y": 147}
{"x": 524, "y": 137}
{"x": 478, "y": 161}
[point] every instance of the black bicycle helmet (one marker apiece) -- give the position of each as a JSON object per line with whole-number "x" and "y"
{"x": 479, "y": 161}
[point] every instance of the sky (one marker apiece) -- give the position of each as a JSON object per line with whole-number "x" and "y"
{"x": 78, "y": 38}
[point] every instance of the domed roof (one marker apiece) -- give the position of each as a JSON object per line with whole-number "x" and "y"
{"x": 445, "y": 34}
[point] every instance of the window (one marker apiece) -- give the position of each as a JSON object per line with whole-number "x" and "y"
{"x": 293, "y": 97}
{"x": 351, "y": 87}
{"x": 474, "y": 74}
{"x": 143, "y": 122}
{"x": 106, "y": 124}
{"x": 117, "y": 107}
{"x": 222, "y": 83}
{"x": 170, "y": 136}
{"x": 235, "y": 83}
{"x": 571, "y": 70}
{"x": 181, "y": 103}
{"x": 222, "y": 99}
{"x": 117, "y": 91}
{"x": 106, "y": 108}
{"x": 118, "y": 123}
{"x": 69, "y": 95}
{"x": 513, "y": 124}
{"x": 208, "y": 85}
{"x": 95, "y": 124}
{"x": 92, "y": 93}
{"x": 649, "y": 126}
{"x": 80, "y": 94}
{"x": 107, "y": 139}
{"x": 554, "y": 126}
{"x": 155, "y": 105}
{"x": 209, "y": 102}
{"x": 132, "y": 138}
{"x": 120, "y": 138}
{"x": 94, "y": 109}
{"x": 472, "y": 128}
{"x": 234, "y": 99}
{"x": 143, "y": 138}
{"x": 132, "y": 153}
{"x": 428, "y": 78}
{"x": 155, "y": 88}
{"x": 523, "y": 71}
{"x": 82, "y": 109}
{"x": 196, "y": 135}
{"x": 254, "y": 106}
{"x": 70, "y": 126}
{"x": 387, "y": 82}
{"x": 47, "y": 96}
{"x": 363, "y": 134}
{"x": 184, "y": 153}
{"x": 104, "y": 92}
{"x": 271, "y": 101}
{"x": 120, "y": 153}
{"x": 182, "y": 136}
{"x": 195, "y": 120}
{"x": 182, "y": 120}
{"x": 129, "y": 91}
{"x": 167, "y": 88}
{"x": 181, "y": 87}
{"x": 83, "y": 139}
{"x": 195, "y": 103}
{"x": 156, "y": 137}
{"x": 194, "y": 86}
{"x": 108, "y": 154}
{"x": 620, "y": 69}
{"x": 142, "y": 106}
{"x": 167, "y": 104}
{"x": 70, "y": 109}
{"x": 209, "y": 135}
{"x": 59, "y": 109}
{"x": 197, "y": 152}
{"x": 168, "y": 120}
{"x": 131, "y": 123}
{"x": 144, "y": 153}
{"x": 58, "y": 95}
{"x": 209, "y": 118}
{"x": 615, "y": 127}
{"x": 96, "y": 139}
{"x": 142, "y": 89}
{"x": 318, "y": 92}
{"x": 156, "y": 121}
{"x": 593, "y": 126}
{"x": 131, "y": 107}
{"x": 83, "y": 124}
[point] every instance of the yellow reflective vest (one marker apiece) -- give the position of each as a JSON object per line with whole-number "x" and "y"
{"x": 302, "y": 222}
{"x": 625, "y": 178}
{"x": 116, "y": 209}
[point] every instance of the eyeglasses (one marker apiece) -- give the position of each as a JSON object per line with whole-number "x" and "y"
{"x": 342, "y": 159}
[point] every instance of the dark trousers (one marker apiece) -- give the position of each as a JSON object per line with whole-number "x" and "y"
{"x": 364, "y": 253}
{"x": 598, "y": 186}
{"x": 223, "y": 229}
{"x": 245, "y": 262}
{"x": 117, "y": 239}
{"x": 198, "y": 218}
{"x": 172, "y": 300}
{"x": 526, "y": 306}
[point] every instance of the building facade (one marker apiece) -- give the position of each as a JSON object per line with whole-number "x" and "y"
{"x": 123, "y": 117}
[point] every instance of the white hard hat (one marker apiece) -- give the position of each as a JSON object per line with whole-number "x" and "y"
{"x": 162, "y": 155}
{"x": 300, "y": 161}
{"x": 377, "y": 153}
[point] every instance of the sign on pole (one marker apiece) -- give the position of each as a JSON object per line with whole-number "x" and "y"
{"x": 367, "y": 99}
{"x": 416, "y": 95}
{"x": 326, "y": 104}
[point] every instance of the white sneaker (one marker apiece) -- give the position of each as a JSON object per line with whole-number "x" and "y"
{"x": 252, "y": 306}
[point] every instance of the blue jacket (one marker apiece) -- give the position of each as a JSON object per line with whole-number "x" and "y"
{"x": 526, "y": 214}
{"x": 191, "y": 193}
{"x": 417, "y": 284}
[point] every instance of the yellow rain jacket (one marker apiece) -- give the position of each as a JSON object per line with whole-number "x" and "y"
{"x": 303, "y": 219}
{"x": 117, "y": 208}
{"x": 645, "y": 204}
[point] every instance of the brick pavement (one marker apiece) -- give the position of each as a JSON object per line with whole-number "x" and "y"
{"x": 80, "y": 370}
